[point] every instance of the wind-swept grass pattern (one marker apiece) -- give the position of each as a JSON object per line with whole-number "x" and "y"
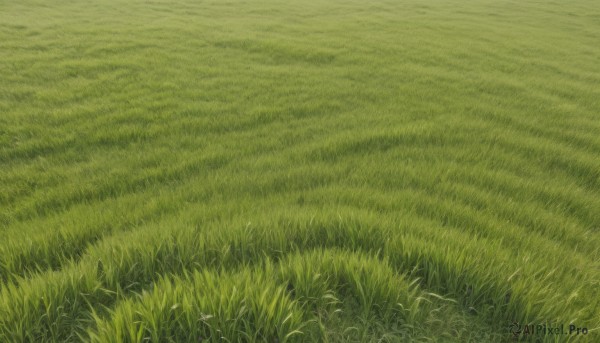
{"x": 336, "y": 171}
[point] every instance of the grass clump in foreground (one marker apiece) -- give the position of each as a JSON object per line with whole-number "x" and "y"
{"x": 341, "y": 171}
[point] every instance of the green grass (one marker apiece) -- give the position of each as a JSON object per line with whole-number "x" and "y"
{"x": 324, "y": 170}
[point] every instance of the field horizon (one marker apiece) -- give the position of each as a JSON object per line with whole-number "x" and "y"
{"x": 316, "y": 171}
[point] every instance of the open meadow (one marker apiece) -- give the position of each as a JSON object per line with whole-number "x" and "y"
{"x": 299, "y": 171}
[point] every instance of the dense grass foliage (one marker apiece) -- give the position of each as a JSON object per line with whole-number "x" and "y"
{"x": 266, "y": 170}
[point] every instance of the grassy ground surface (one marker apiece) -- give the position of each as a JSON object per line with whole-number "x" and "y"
{"x": 261, "y": 170}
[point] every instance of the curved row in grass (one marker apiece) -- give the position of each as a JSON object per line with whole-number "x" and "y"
{"x": 498, "y": 284}
{"x": 294, "y": 299}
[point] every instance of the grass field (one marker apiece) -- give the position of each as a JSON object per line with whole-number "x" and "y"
{"x": 314, "y": 171}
